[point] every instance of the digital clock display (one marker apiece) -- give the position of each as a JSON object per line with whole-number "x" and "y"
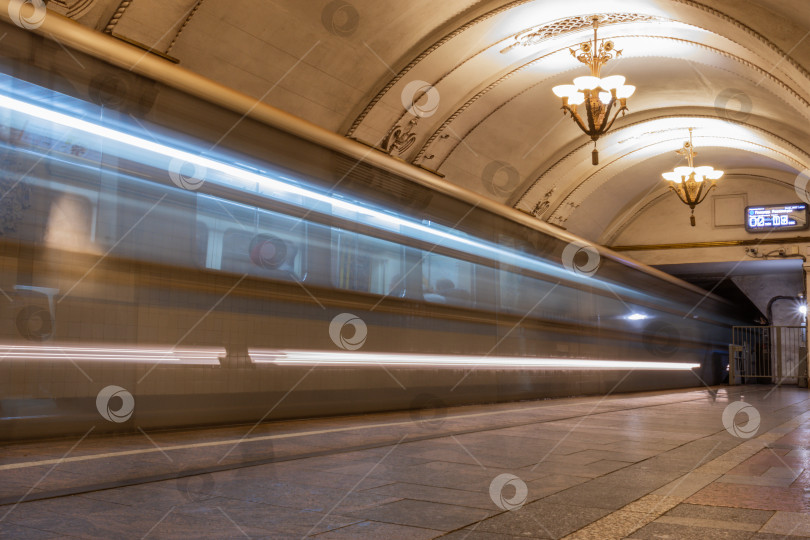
{"x": 776, "y": 217}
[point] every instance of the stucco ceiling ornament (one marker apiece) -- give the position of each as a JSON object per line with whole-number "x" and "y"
{"x": 74, "y": 9}
{"x": 535, "y": 35}
{"x": 541, "y": 207}
{"x": 400, "y": 139}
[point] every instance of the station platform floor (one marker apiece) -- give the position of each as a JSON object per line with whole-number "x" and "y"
{"x": 728, "y": 462}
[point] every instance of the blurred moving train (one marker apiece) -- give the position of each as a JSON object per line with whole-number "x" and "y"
{"x": 174, "y": 254}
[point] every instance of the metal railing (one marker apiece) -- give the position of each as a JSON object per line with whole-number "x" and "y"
{"x": 768, "y": 354}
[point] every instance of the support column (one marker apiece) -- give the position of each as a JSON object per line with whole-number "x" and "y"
{"x": 802, "y": 375}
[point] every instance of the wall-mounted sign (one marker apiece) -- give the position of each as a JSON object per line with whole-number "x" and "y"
{"x": 776, "y": 217}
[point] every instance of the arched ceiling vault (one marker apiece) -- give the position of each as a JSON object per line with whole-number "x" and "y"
{"x": 463, "y": 87}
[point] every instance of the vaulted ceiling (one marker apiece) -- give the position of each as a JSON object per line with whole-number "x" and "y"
{"x": 467, "y": 86}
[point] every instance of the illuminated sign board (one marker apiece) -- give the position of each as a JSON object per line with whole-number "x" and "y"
{"x": 776, "y": 217}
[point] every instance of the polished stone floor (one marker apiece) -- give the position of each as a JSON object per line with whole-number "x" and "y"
{"x": 674, "y": 465}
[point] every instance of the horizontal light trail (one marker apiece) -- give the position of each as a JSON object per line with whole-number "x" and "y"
{"x": 328, "y": 358}
{"x": 210, "y": 356}
{"x": 202, "y": 356}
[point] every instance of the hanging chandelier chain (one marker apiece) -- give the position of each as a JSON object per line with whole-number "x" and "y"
{"x": 595, "y": 54}
{"x": 688, "y": 151}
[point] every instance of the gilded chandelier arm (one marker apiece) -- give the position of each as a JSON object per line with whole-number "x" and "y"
{"x": 604, "y": 126}
{"x": 678, "y": 193}
{"x": 615, "y": 116}
{"x": 576, "y": 118}
{"x": 700, "y": 199}
{"x": 591, "y": 121}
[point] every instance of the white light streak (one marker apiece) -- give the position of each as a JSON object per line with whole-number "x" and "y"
{"x": 369, "y": 359}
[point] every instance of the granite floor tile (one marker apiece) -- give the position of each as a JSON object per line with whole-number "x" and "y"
{"x": 67, "y": 506}
{"x": 371, "y": 530}
{"x": 793, "y": 523}
{"x": 593, "y": 470}
{"x": 215, "y": 525}
{"x": 803, "y": 480}
{"x": 269, "y": 518}
{"x": 551, "y": 484}
{"x": 755, "y": 497}
{"x": 721, "y": 514}
{"x": 547, "y": 468}
{"x": 686, "y": 485}
{"x": 614, "y": 526}
{"x": 102, "y": 525}
{"x": 661, "y": 531}
{"x": 311, "y": 498}
{"x": 323, "y": 479}
{"x": 472, "y": 534}
{"x": 709, "y": 523}
{"x": 756, "y": 480}
{"x": 443, "y": 517}
{"x": 653, "y": 505}
{"x": 19, "y": 532}
{"x": 541, "y": 519}
{"x": 605, "y": 497}
{"x": 457, "y": 497}
{"x": 771, "y": 536}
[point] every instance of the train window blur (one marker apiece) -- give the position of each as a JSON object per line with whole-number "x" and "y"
{"x": 447, "y": 280}
{"x": 249, "y": 240}
{"x": 365, "y": 264}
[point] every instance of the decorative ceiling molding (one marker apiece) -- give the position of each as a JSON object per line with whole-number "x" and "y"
{"x": 576, "y": 195}
{"x": 554, "y": 29}
{"x": 690, "y": 3}
{"x": 775, "y": 48}
{"x": 623, "y": 221}
{"x": 535, "y": 35}
{"x": 460, "y": 137}
{"x": 72, "y": 8}
{"x": 574, "y": 198}
{"x": 185, "y": 23}
{"x": 119, "y": 12}
{"x": 522, "y": 200}
{"x": 399, "y": 139}
{"x": 404, "y": 71}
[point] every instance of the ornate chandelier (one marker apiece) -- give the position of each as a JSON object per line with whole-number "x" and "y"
{"x": 598, "y": 95}
{"x": 690, "y": 183}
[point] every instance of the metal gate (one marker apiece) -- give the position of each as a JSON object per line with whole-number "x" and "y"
{"x": 768, "y": 354}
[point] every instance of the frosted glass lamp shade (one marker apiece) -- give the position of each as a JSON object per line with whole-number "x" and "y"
{"x": 614, "y": 81}
{"x": 586, "y": 83}
{"x": 577, "y": 99}
{"x": 625, "y": 91}
{"x": 564, "y": 90}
